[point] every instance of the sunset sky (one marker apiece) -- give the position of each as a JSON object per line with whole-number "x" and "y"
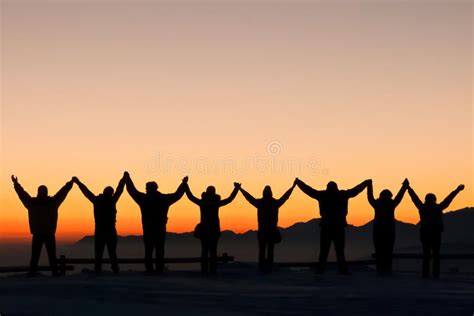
{"x": 258, "y": 92}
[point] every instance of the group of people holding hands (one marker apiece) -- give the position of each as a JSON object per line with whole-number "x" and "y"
{"x": 154, "y": 206}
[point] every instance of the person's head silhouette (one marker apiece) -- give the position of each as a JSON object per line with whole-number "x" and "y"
{"x": 210, "y": 194}
{"x": 42, "y": 191}
{"x": 211, "y": 190}
{"x": 108, "y": 191}
{"x": 385, "y": 195}
{"x": 267, "y": 192}
{"x": 430, "y": 199}
{"x": 332, "y": 187}
{"x": 151, "y": 187}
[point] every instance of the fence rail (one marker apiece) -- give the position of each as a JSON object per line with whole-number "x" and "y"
{"x": 457, "y": 256}
{"x": 64, "y": 261}
{"x": 67, "y": 264}
{"x": 312, "y": 264}
{"x": 13, "y": 269}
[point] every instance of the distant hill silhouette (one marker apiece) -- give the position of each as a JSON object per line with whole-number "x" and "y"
{"x": 301, "y": 241}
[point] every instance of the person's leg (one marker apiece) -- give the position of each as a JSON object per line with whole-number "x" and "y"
{"x": 149, "y": 245}
{"x": 99, "y": 245}
{"x": 378, "y": 251}
{"x": 50, "y": 244}
{"x": 204, "y": 255}
{"x": 112, "y": 250}
{"x": 269, "y": 261}
{"x": 213, "y": 254}
{"x": 325, "y": 244}
{"x": 36, "y": 245}
{"x": 339, "y": 244}
{"x": 383, "y": 249}
{"x": 160, "y": 252}
{"x": 261, "y": 253}
{"x": 436, "y": 246}
{"x": 390, "y": 245}
{"x": 426, "y": 243}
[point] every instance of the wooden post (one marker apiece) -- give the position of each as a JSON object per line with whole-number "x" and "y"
{"x": 62, "y": 265}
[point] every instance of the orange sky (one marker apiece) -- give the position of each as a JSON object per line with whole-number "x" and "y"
{"x": 252, "y": 92}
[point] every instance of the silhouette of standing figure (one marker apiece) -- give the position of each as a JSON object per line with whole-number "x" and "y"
{"x": 267, "y": 216}
{"x": 105, "y": 214}
{"x": 43, "y": 219}
{"x": 154, "y": 207}
{"x": 333, "y": 205}
{"x": 431, "y": 227}
{"x": 209, "y": 230}
{"x": 384, "y": 225}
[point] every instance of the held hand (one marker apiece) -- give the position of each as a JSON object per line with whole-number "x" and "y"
{"x": 406, "y": 183}
{"x": 237, "y": 185}
{"x": 126, "y": 175}
{"x": 14, "y": 179}
{"x": 185, "y": 179}
{"x": 460, "y": 187}
{"x": 75, "y": 179}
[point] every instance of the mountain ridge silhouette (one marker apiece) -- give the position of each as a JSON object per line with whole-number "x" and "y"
{"x": 301, "y": 240}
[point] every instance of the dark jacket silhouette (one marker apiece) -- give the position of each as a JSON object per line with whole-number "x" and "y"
{"x": 384, "y": 225}
{"x": 267, "y": 216}
{"x": 333, "y": 207}
{"x": 43, "y": 219}
{"x": 154, "y": 207}
{"x": 209, "y": 230}
{"x": 105, "y": 214}
{"x": 431, "y": 227}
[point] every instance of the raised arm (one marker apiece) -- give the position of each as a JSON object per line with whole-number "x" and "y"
{"x": 119, "y": 190}
{"x": 445, "y": 203}
{"x": 249, "y": 197}
{"x": 174, "y": 197}
{"x": 315, "y": 194}
{"x": 286, "y": 196}
{"x": 191, "y": 197}
{"x": 358, "y": 188}
{"x": 398, "y": 198}
{"x": 87, "y": 193}
{"x": 60, "y": 196}
{"x": 416, "y": 200}
{"x": 25, "y": 198}
{"x": 370, "y": 194}
{"x": 232, "y": 195}
{"x": 131, "y": 189}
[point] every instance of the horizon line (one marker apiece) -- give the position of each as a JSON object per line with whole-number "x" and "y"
{"x": 21, "y": 240}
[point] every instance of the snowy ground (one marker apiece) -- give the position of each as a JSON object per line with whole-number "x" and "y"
{"x": 238, "y": 289}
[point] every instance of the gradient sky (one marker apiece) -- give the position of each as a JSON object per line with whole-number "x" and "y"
{"x": 255, "y": 92}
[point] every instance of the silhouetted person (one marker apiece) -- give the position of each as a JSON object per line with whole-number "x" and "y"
{"x": 267, "y": 216}
{"x": 333, "y": 205}
{"x": 384, "y": 225}
{"x": 209, "y": 230}
{"x": 43, "y": 219}
{"x": 431, "y": 227}
{"x": 154, "y": 207}
{"x": 105, "y": 214}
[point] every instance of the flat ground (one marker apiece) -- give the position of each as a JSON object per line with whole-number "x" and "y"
{"x": 238, "y": 289}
